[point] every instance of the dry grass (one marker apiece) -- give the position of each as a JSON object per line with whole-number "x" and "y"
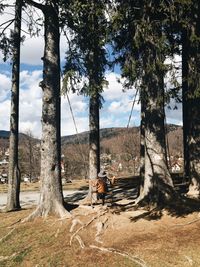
{"x": 75, "y": 185}
{"x": 125, "y": 237}
{"x": 167, "y": 241}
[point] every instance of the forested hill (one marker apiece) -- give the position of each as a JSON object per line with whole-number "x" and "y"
{"x": 105, "y": 133}
{"x": 4, "y": 134}
{"x": 83, "y": 138}
{"x": 109, "y": 133}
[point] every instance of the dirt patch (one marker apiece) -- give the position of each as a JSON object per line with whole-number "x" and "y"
{"x": 100, "y": 236}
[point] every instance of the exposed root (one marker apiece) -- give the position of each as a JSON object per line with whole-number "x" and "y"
{"x": 43, "y": 212}
{"x": 84, "y": 226}
{"x": 184, "y": 224}
{"x": 82, "y": 245}
{"x": 57, "y": 232}
{"x": 122, "y": 253}
{"x": 74, "y": 223}
{"x": 36, "y": 213}
{"x": 15, "y": 223}
{"x": 5, "y": 258}
{"x": 62, "y": 212}
{"x": 8, "y": 234}
{"x": 100, "y": 226}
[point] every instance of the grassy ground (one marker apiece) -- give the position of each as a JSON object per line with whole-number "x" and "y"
{"x": 76, "y": 184}
{"x": 115, "y": 235}
{"x": 168, "y": 241}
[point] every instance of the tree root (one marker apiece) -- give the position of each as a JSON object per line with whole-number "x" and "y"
{"x": 43, "y": 212}
{"x": 122, "y": 253}
{"x": 100, "y": 226}
{"x": 5, "y": 258}
{"x": 184, "y": 224}
{"x": 84, "y": 226}
{"x": 74, "y": 223}
{"x": 82, "y": 245}
{"x": 8, "y": 234}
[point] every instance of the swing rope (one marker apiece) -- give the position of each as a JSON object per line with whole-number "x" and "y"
{"x": 76, "y": 129}
{"x": 133, "y": 103}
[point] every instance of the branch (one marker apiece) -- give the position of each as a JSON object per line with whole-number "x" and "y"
{"x": 11, "y": 21}
{"x": 37, "y": 5}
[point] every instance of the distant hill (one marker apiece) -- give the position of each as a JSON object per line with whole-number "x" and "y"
{"x": 83, "y": 138}
{"x": 4, "y": 134}
{"x": 105, "y": 133}
{"x": 173, "y": 127}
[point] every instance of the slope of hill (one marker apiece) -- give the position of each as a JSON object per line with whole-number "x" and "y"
{"x": 106, "y": 133}
{"x": 83, "y": 138}
{"x": 4, "y": 134}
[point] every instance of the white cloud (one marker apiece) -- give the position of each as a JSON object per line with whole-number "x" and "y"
{"x": 68, "y": 127}
{"x": 4, "y": 115}
{"x": 174, "y": 115}
{"x": 5, "y": 86}
{"x": 32, "y": 49}
{"x": 30, "y": 107}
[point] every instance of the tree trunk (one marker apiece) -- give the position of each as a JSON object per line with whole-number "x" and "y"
{"x": 51, "y": 197}
{"x": 13, "y": 202}
{"x": 94, "y": 147}
{"x": 142, "y": 142}
{"x": 158, "y": 185}
{"x": 94, "y": 143}
{"x": 191, "y": 100}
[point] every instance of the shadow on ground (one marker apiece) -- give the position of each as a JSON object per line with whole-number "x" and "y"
{"x": 121, "y": 198}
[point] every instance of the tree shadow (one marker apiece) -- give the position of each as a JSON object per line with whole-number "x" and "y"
{"x": 69, "y": 207}
{"x": 183, "y": 206}
{"x": 75, "y": 197}
{"x": 127, "y": 188}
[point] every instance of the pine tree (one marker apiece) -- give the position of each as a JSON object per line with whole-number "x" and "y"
{"x": 51, "y": 197}
{"x": 191, "y": 91}
{"x": 87, "y": 59}
{"x": 141, "y": 47}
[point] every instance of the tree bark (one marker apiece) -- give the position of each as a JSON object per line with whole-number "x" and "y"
{"x": 142, "y": 142}
{"x": 94, "y": 143}
{"x": 51, "y": 197}
{"x": 191, "y": 100}
{"x": 158, "y": 184}
{"x": 13, "y": 201}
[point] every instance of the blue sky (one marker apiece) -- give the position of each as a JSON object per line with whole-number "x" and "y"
{"x": 116, "y": 108}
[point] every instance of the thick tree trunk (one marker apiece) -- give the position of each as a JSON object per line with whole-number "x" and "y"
{"x": 158, "y": 185}
{"x": 191, "y": 100}
{"x": 51, "y": 197}
{"x": 13, "y": 202}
